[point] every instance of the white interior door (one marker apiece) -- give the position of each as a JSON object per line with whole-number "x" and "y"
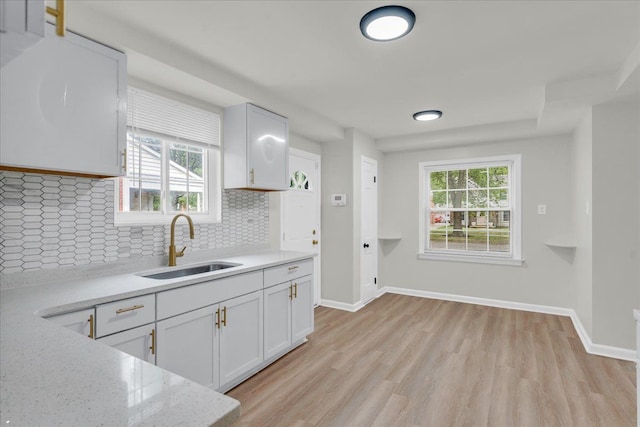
{"x": 369, "y": 229}
{"x": 301, "y": 210}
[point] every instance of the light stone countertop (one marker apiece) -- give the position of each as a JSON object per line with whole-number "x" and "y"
{"x": 50, "y": 375}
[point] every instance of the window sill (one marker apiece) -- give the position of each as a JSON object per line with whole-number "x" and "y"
{"x": 162, "y": 220}
{"x": 470, "y": 258}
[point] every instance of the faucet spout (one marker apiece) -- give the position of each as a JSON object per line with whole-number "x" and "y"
{"x": 173, "y": 254}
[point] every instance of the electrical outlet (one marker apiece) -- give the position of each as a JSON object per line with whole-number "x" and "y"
{"x": 542, "y": 209}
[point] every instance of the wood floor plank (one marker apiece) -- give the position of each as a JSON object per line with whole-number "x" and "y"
{"x": 408, "y": 361}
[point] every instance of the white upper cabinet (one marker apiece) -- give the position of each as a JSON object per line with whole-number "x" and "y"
{"x": 256, "y": 149}
{"x": 21, "y": 26}
{"x": 63, "y": 108}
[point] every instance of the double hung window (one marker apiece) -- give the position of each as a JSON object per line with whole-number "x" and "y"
{"x": 470, "y": 210}
{"x": 172, "y": 162}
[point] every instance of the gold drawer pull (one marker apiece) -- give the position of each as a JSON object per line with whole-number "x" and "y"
{"x": 134, "y": 307}
{"x": 295, "y": 290}
{"x": 224, "y": 316}
{"x": 295, "y": 267}
{"x": 153, "y": 341}
{"x": 91, "y": 326}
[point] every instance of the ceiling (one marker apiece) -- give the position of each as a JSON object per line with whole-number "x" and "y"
{"x": 495, "y": 68}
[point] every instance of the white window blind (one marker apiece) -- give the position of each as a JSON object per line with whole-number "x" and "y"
{"x": 154, "y": 113}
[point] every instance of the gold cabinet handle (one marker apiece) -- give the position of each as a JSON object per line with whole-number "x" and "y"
{"x": 153, "y": 341}
{"x": 295, "y": 290}
{"x": 315, "y": 242}
{"x": 218, "y": 318}
{"x": 134, "y": 307}
{"x": 58, "y": 13}
{"x": 294, "y": 267}
{"x": 290, "y": 292}
{"x": 252, "y": 173}
{"x": 224, "y": 316}
{"x": 91, "y": 322}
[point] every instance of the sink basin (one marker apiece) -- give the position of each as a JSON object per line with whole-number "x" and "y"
{"x": 190, "y": 271}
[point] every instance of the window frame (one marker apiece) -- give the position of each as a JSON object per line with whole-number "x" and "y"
{"x": 514, "y": 162}
{"x": 213, "y": 182}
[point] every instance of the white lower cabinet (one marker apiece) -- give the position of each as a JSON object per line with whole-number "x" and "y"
{"x": 288, "y": 314}
{"x": 188, "y": 345}
{"x": 302, "y": 308}
{"x": 214, "y": 345}
{"x": 277, "y": 319}
{"x": 241, "y": 336}
{"x": 216, "y": 333}
{"x": 138, "y": 342}
{"x": 81, "y": 321}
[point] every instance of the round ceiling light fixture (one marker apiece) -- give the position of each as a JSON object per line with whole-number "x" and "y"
{"x": 427, "y": 115}
{"x": 387, "y": 23}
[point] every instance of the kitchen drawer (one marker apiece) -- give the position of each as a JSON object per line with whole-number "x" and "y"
{"x": 188, "y": 298}
{"x": 286, "y": 272}
{"x": 125, "y": 314}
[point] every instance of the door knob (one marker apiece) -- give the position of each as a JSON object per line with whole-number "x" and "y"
{"x": 366, "y": 245}
{"x": 315, "y": 242}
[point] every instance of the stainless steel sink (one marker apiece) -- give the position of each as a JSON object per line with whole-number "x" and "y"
{"x": 182, "y": 272}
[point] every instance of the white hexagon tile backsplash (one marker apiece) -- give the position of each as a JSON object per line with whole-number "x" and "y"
{"x": 48, "y": 221}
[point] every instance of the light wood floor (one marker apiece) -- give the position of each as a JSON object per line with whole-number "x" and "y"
{"x": 407, "y": 361}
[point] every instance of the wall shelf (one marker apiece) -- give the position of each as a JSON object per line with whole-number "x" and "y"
{"x": 564, "y": 245}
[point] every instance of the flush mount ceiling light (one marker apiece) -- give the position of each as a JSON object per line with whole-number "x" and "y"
{"x": 387, "y": 23}
{"x": 427, "y": 115}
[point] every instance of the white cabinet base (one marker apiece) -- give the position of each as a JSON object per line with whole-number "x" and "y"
{"x": 137, "y": 342}
{"x": 188, "y": 345}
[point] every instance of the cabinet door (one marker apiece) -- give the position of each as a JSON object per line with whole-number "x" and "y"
{"x": 302, "y": 308}
{"x": 79, "y": 321}
{"x": 63, "y": 107}
{"x": 277, "y": 319}
{"x": 241, "y": 335}
{"x": 188, "y": 345}
{"x": 268, "y": 149}
{"x": 137, "y": 342}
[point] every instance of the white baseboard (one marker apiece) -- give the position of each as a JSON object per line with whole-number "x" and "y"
{"x": 600, "y": 349}
{"x": 481, "y": 301}
{"x": 589, "y": 346}
{"x": 342, "y": 305}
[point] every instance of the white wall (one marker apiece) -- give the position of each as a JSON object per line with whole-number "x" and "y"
{"x": 582, "y": 182}
{"x": 616, "y": 221}
{"x": 337, "y": 222}
{"x": 545, "y": 278}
